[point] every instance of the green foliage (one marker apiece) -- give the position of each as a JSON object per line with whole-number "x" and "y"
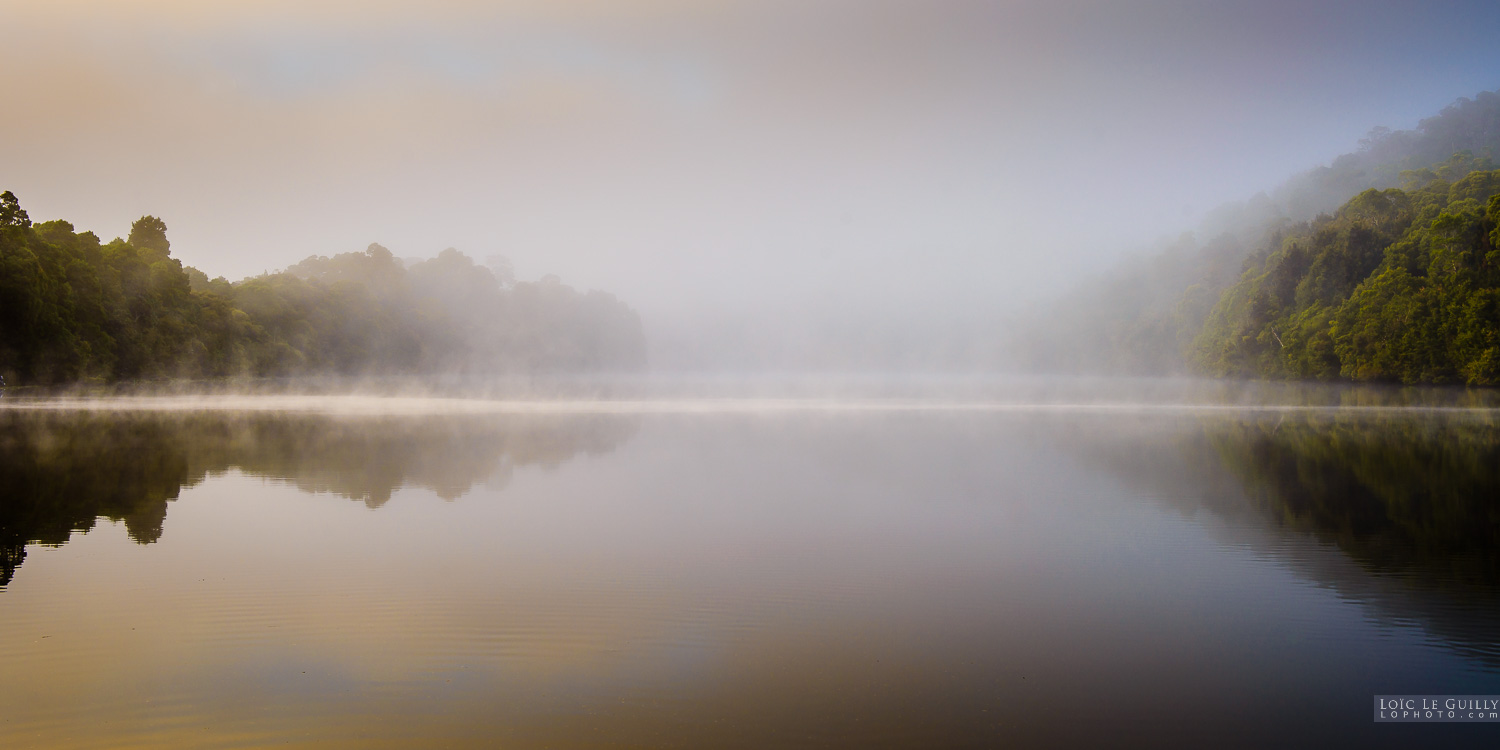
{"x": 1158, "y": 314}
{"x": 1400, "y": 286}
{"x": 73, "y": 309}
{"x": 11, "y": 214}
{"x": 150, "y": 233}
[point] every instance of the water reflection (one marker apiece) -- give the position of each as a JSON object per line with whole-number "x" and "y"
{"x": 1414, "y": 496}
{"x": 61, "y": 471}
{"x": 748, "y": 580}
{"x": 1407, "y": 500}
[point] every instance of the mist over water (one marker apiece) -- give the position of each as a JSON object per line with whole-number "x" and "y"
{"x": 752, "y": 394}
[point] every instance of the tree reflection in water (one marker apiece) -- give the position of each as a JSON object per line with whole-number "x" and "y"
{"x": 1416, "y": 496}
{"x": 1403, "y": 507}
{"x": 61, "y": 471}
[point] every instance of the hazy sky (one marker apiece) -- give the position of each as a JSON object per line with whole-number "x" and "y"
{"x": 945, "y": 156}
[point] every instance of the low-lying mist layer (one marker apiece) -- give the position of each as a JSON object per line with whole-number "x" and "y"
{"x": 752, "y": 396}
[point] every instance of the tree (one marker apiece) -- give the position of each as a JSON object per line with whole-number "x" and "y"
{"x": 11, "y": 214}
{"x": 150, "y": 233}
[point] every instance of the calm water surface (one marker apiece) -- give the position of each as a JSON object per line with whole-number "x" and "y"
{"x": 736, "y": 578}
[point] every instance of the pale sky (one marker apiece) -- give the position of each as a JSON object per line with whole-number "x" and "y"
{"x": 939, "y": 160}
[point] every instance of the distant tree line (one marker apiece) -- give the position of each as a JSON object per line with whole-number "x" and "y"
{"x": 73, "y": 308}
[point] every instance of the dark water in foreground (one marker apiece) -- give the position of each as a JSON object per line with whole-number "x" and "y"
{"x": 743, "y": 579}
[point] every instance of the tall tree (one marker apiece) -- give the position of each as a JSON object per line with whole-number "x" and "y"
{"x": 150, "y": 233}
{"x": 11, "y": 214}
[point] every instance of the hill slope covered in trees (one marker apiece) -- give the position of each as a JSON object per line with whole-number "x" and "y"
{"x": 1397, "y": 285}
{"x": 73, "y": 308}
{"x": 1170, "y": 311}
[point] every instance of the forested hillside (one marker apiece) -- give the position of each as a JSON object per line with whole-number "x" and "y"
{"x": 1397, "y": 285}
{"x": 1147, "y": 316}
{"x": 73, "y": 308}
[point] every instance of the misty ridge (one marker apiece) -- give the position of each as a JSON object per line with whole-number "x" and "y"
{"x": 1379, "y": 267}
{"x": 74, "y": 309}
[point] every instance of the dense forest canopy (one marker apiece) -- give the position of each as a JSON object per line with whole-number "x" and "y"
{"x": 1207, "y": 302}
{"x": 1397, "y": 285}
{"x": 73, "y": 308}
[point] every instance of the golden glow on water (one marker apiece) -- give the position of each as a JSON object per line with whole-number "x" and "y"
{"x": 356, "y": 626}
